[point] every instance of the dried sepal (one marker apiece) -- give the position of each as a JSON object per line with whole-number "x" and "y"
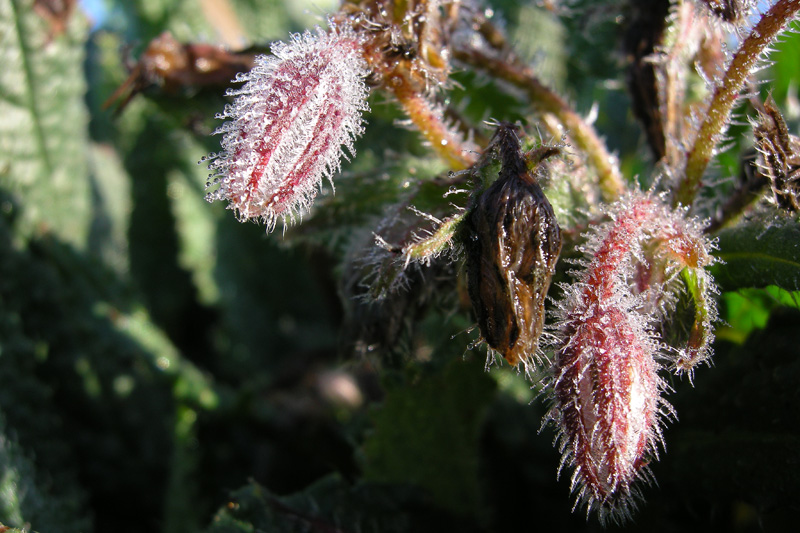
{"x": 176, "y": 67}
{"x": 382, "y": 300}
{"x": 421, "y": 247}
{"x": 407, "y": 49}
{"x": 733, "y": 11}
{"x": 605, "y": 389}
{"x": 513, "y": 242}
{"x": 411, "y": 235}
{"x": 779, "y": 156}
{"x": 297, "y": 115}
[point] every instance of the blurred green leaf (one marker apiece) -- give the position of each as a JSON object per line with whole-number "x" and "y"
{"x": 26, "y": 501}
{"x": 88, "y": 380}
{"x": 757, "y": 254}
{"x": 333, "y": 505}
{"x": 43, "y": 139}
{"x": 749, "y": 309}
{"x": 426, "y": 435}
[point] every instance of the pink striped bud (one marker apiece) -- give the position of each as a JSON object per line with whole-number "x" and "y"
{"x": 606, "y": 393}
{"x": 607, "y": 398}
{"x": 289, "y": 125}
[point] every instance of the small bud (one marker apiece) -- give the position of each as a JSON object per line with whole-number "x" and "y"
{"x": 606, "y": 393}
{"x": 512, "y": 248}
{"x": 288, "y": 125}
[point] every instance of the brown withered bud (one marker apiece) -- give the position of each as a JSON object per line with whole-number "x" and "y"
{"x": 779, "y": 156}
{"x": 645, "y": 32}
{"x": 174, "y": 67}
{"x": 512, "y": 247}
{"x": 732, "y": 11}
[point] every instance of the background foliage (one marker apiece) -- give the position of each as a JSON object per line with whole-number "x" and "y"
{"x": 165, "y": 368}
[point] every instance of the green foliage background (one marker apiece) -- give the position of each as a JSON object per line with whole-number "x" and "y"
{"x": 162, "y": 365}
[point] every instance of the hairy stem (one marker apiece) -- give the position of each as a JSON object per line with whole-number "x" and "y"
{"x": 513, "y": 70}
{"x": 726, "y": 94}
{"x": 430, "y": 119}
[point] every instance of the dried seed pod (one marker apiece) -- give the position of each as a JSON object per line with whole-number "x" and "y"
{"x": 513, "y": 244}
{"x": 176, "y": 68}
{"x": 644, "y": 35}
{"x": 733, "y": 11}
{"x": 779, "y": 156}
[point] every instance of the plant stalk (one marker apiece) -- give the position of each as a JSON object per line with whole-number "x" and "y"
{"x": 514, "y": 71}
{"x": 726, "y": 95}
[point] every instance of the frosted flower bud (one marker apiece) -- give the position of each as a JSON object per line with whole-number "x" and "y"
{"x": 289, "y": 125}
{"x": 608, "y": 398}
{"x": 606, "y": 392}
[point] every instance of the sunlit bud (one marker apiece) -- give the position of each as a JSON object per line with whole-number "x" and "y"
{"x": 606, "y": 393}
{"x": 289, "y": 125}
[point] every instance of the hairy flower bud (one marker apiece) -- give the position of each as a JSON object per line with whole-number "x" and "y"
{"x": 288, "y": 125}
{"x": 513, "y": 245}
{"x": 606, "y": 393}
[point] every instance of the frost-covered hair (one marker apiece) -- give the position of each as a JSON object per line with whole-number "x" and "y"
{"x": 289, "y": 125}
{"x": 605, "y": 394}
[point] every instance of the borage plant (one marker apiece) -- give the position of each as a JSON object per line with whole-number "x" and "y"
{"x": 508, "y": 199}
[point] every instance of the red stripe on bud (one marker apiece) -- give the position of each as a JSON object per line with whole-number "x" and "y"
{"x": 606, "y": 393}
{"x": 289, "y": 125}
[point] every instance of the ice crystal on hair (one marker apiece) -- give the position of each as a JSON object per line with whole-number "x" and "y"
{"x": 296, "y": 116}
{"x": 606, "y": 392}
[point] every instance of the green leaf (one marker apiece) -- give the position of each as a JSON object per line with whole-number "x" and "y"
{"x": 749, "y": 309}
{"x": 43, "y": 139}
{"x": 737, "y": 437}
{"x": 756, "y": 255}
{"x": 86, "y": 373}
{"x": 426, "y": 435}
{"x": 324, "y": 505}
{"x": 782, "y": 75}
{"x": 334, "y": 505}
{"x": 26, "y": 502}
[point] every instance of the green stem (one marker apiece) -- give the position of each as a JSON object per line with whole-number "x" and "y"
{"x": 701, "y": 335}
{"x": 514, "y": 71}
{"x": 430, "y": 119}
{"x": 726, "y": 94}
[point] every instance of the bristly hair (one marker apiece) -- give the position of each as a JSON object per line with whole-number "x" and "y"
{"x": 605, "y": 392}
{"x": 289, "y": 126}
